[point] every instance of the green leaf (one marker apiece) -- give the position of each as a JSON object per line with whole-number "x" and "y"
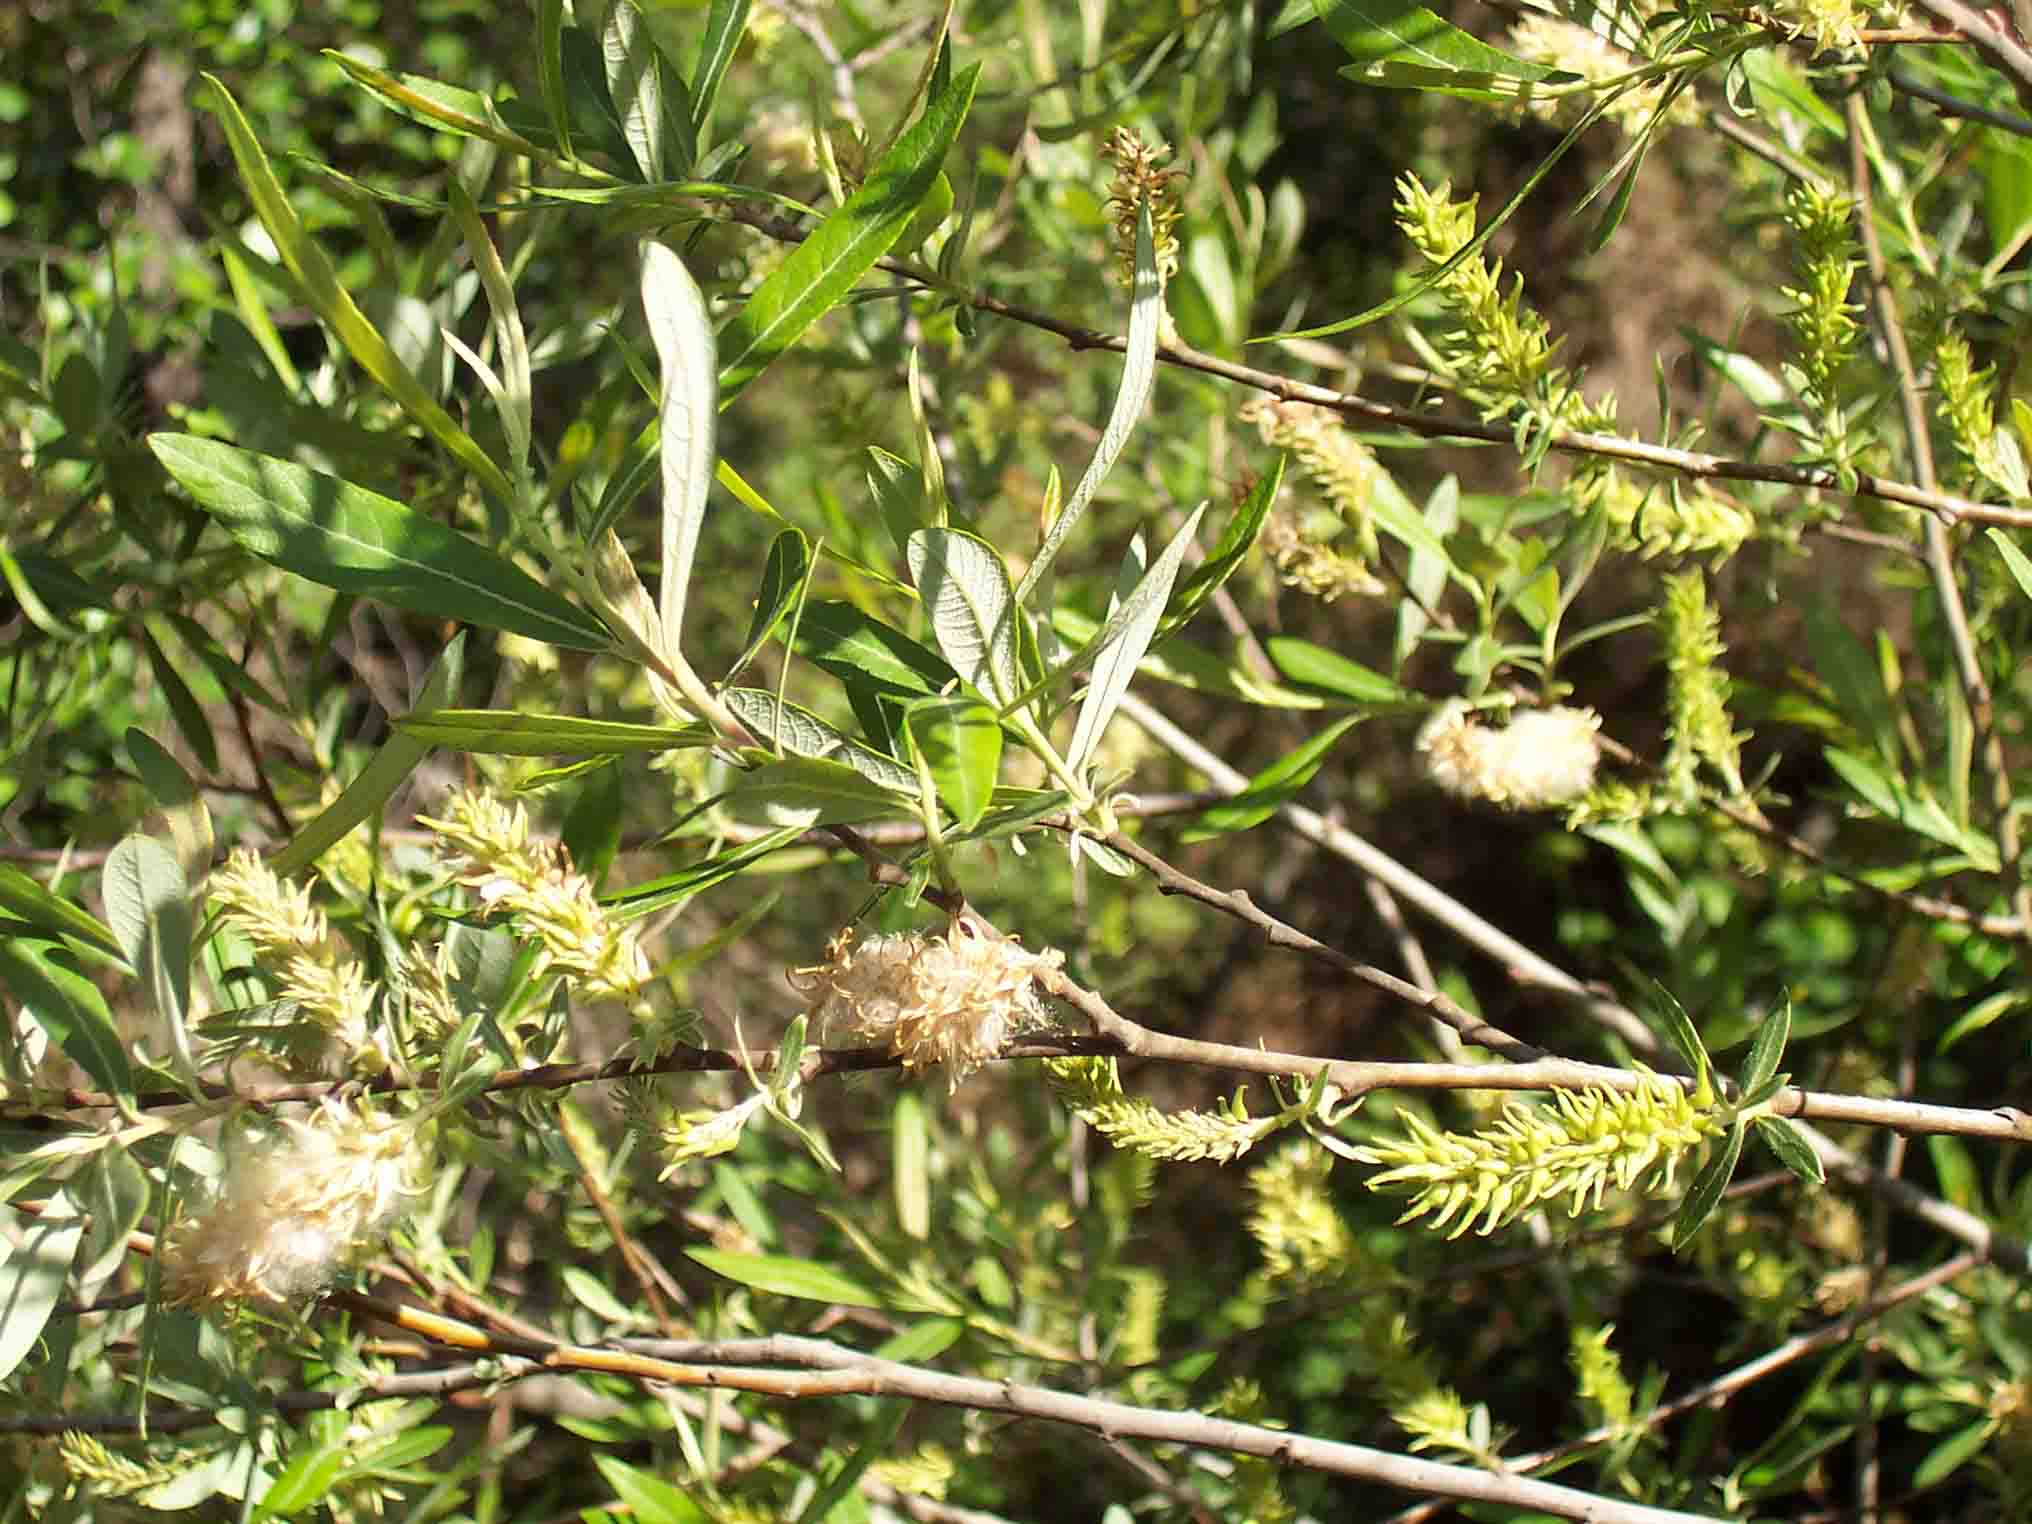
{"x": 331, "y": 301}
{"x": 181, "y": 802}
{"x": 1846, "y": 665}
{"x": 591, "y": 828}
{"x": 960, "y": 741}
{"x": 1761, "y": 1067}
{"x": 1272, "y": 788}
{"x": 1668, "y": 1018}
{"x": 26, "y": 900}
{"x": 550, "y": 71}
{"x": 1889, "y": 797}
{"x": 803, "y": 734}
{"x": 910, "y": 1168}
{"x": 183, "y": 705}
{"x": 1192, "y": 666}
{"x": 1118, "y": 647}
{"x": 921, "y": 1341}
{"x": 1237, "y": 536}
{"x": 880, "y": 1441}
{"x": 898, "y": 489}
{"x": 1783, "y": 1137}
{"x": 724, "y": 24}
{"x": 1705, "y": 1194}
{"x": 809, "y": 791}
{"x": 2018, "y": 563}
{"x": 1316, "y": 667}
{"x": 1139, "y": 376}
{"x": 786, "y": 1276}
{"x": 649, "y": 1498}
{"x": 845, "y": 642}
{"x": 38, "y": 1259}
{"x": 70, "y": 1008}
{"x": 628, "y": 49}
{"x": 513, "y": 391}
{"x": 1954, "y": 1452}
{"x": 1960, "y": 1181}
{"x": 301, "y": 1484}
{"x": 148, "y": 905}
{"x": 824, "y": 267}
{"x": 683, "y": 336}
{"x": 357, "y": 541}
{"x": 1971, "y": 1021}
{"x": 784, "y": 575}
{"x": 379, "y": 779}
{"x": 675, "y": 888}
{"x": 1422, "y": 50}
{"x": 965, "y": 588}
{"x": 506, "y": 732}
{"x": 452, "y": 108}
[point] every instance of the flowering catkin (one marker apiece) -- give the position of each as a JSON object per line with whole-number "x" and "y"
{"x": 296, "y": 1204}
{"x": 950, "y": 1000}
{"x": 1544, "y": 757}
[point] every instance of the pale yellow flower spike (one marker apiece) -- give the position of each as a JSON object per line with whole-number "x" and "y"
{"x": 292, "y": 941}
{"x": 532, "y": 879}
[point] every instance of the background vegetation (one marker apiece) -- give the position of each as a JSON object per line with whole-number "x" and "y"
{"x": 1555, "y": 476}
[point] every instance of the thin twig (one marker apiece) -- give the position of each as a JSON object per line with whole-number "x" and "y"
{"x": 1952, "y": 105}
{"x": 1693, "y": 464}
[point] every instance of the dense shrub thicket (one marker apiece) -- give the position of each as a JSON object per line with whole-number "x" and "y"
{"x": 1140, "y": 760}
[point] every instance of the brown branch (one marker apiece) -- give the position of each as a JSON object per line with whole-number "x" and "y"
{"x": 797, "y": 1368}
{"x": 1276, "y": 933}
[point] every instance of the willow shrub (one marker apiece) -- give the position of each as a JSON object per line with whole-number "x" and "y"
{"x": 659, "y": 495}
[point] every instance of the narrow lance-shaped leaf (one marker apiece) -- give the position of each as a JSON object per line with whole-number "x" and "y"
{"x": 321, "y": 286}
{"x": 824, "y": 267}
{"x": 69, "y": 1007}
{"x": 1123, "y": 640}
{"x": 634, "y": 86}
{"x": 965, "y": 588}
{"x": 357, "y": 541}
{"x": 1139, "y": 375}
{"x": 785, "y": 573}
{"x": 1396, "y": 42}
{"x": 148, "y": 905}
{"x": 1236, "y": 537}
{"x": 1785, "y": 1139}
{"x": 683, "y": 336}
{"x": 2019, "y": 564}
{"x": 1705, "y": 1194}
{"x": 511, "y": 342}
{"x": 1766, "y": 1052}
{"x": 380, "y": 778}
{"x": 507, "y": 732}
{"x": 724, "y": 25}
{"x": 550, "y": 71}
{"x": 32, "y": 1278}
{"x": 25, "y": 899}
